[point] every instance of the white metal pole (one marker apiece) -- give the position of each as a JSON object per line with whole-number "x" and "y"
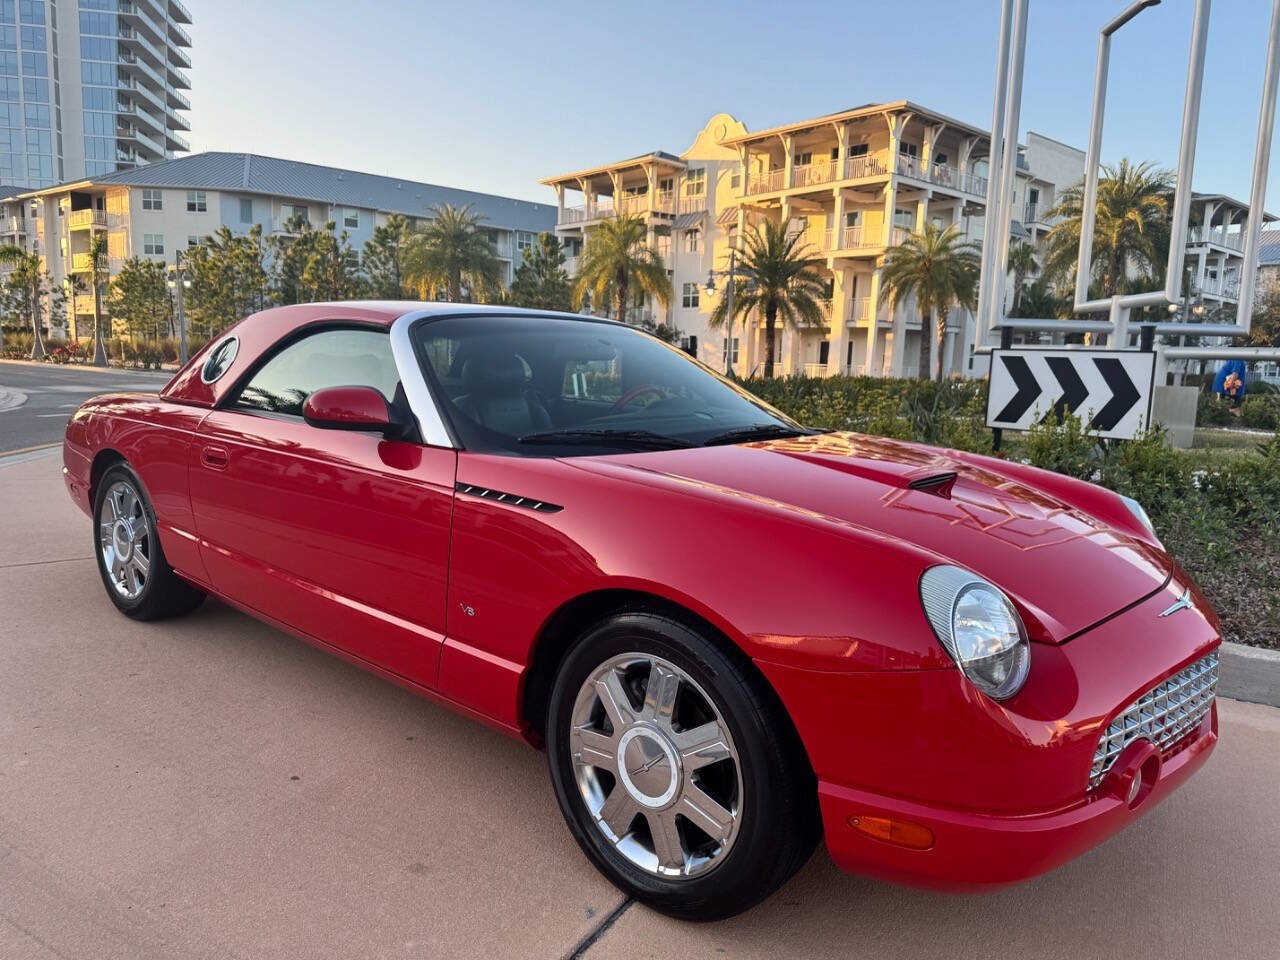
{"x": 1261, "y": 161}
{"x": 986, "y": 291}
{"x": 1008, "y": 167}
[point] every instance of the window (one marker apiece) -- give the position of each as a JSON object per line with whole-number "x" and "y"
{"x": 153, "y": 244}
{"x": 524, "y": 240}
{"x": 835, "y": 153}
{"x": 197, "y": 202}
{"x": 193, "y": 240}
{"x": 695, "y": 182}
{"x": 691, "y": 240}
{"x": 804, "y": 159}
{"x": 152, "y": 200}
{"x": 824, "y": 352}
{"x": 246, "y": 210}
{"x": 351, "y": 218}
{"x": 219, "y": 359}
{"x": 689, "y": 295}
{"x": 731, "y": 351}
{"x": 908, "y": 149}
{"x": 940, "y": 158}
{"x": 858, "y": 149}
{"x": 853, "y": 218}
{"x": 330, "y": 358}
{"x": 495, "y": 375}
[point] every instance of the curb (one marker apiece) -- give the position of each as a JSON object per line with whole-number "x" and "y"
{"x": 89, "y": 368}
{"x": 1249, "y": 673}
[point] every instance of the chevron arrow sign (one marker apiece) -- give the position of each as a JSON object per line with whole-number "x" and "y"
{"x": 1110, "y": 390}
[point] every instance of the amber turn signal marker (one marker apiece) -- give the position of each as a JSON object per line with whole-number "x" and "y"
{"x": 902, "y": 832}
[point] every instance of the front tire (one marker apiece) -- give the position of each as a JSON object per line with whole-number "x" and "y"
{"x": 675, "y": 771}
{"x": 131, "y": 560}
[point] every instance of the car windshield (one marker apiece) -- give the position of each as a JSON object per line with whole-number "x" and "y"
{"x": 549, "y": 386}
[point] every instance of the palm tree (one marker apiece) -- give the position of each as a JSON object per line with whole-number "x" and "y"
{"x": 941, "y": 268}
{"x": 1130, "y": 230}
{"x": 776, "y": 274}
{"x": 1022, "y": 264}
{"x": 449, "y": 251}
{"x": 26, "y": 277}
{"x": 97, "y": 267}
{"x": 617, "y": 261}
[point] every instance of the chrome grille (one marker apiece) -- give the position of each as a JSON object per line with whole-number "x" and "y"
{"x": 1164, "y": 715}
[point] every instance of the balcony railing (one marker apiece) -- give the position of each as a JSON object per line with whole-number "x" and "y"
{"x": 1031, "y": 212}
{"x": 693, "y": 204}
{"x": 12, "y": 225}
{"x": 84, "y": 303}
{"x": 81, "y": 263}
{"x": 766, "y": 182}
{"x": 87, "y": 218}
{"x": 815, "y": 369}
{"x": 1227, "y": 287}
{"x": 588, "y": 212}
{"x": 898, "y": 235}
{"x": 859, "y": 311}
{"x": 858, "y": 168}
{"x": 571, "y": 266}
{"x": 808, "y": 174}
{"x": 942, "y": 174}
{"x": 1219, "y": 236}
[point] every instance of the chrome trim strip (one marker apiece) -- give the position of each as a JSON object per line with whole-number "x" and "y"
{"x": 421, "y": 402}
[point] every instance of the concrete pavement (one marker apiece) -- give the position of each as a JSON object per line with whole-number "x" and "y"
{"x": 209, "y": 787}
{"x": 36, "y": 399}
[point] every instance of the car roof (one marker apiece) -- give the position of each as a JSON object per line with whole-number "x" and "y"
{"x": 259, "y": 332}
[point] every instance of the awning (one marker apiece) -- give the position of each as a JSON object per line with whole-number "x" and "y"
{"x": 687, "y": 221}
{"x": 728, "y": 215}
{"x": 1016, "y": 229}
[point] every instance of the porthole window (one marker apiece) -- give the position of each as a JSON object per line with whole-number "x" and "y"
{"x": 219, "y": 359}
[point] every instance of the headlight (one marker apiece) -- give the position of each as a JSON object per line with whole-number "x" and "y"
{"x": 1136, "y": 509}
{"x": 978, "y": 626}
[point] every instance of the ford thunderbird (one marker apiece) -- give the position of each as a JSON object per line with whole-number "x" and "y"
{"x": 734, "y": 636}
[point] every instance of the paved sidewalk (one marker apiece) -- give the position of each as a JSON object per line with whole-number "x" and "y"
{"x": 211, "y": 788}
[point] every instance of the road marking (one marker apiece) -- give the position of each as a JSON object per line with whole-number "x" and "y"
{"x": 41, "y": 416}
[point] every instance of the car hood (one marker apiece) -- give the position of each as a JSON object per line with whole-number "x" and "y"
{"x": 1065, "y": 568}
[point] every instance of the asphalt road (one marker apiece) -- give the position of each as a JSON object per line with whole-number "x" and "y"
{"x": 36, "y": 399}
{"x": 210, "y": 788}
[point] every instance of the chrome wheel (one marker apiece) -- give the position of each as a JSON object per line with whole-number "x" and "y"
{"x": 656, "y": 766}
{"x": 124, "y": 537}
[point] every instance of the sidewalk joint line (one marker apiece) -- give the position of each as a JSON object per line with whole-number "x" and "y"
{"x": 587, "y": 942}
{"x": 37, "y": 563}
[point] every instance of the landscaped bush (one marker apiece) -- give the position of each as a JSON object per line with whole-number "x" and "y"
{"x": 1260, "y": 412}
{"x": 17, "y": 344}
{"x": 1213, "y": 411}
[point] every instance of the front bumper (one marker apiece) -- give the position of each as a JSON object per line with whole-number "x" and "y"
{"x": 973, "y": 850}
{"x": 1002, "y": 787}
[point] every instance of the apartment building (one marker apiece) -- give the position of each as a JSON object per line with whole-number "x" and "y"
{"x": 852, "y": 183}
{"x": 161, "y": 208}
{"x": 90, "y": 86}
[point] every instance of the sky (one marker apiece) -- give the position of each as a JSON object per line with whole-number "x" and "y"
{"x": 492, "y": 95}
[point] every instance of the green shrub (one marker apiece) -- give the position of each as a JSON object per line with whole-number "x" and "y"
{"x": 1065, "y": 447}
{"x": 1213, "y": 411}
{"x": 1260, "y": 412}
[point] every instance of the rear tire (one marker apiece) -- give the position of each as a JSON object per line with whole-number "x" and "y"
{"x": 675, "y": 771}
{"x": 131, "y": 561}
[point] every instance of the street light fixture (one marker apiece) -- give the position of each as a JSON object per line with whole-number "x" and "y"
{"x": 179, "y": 283}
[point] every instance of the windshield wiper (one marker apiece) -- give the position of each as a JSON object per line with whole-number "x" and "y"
{"x": 759, "y": 431}
{"x": 636, "y": 439}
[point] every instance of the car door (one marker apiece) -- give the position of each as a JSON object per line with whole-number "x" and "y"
{"x": 343, "y": 536}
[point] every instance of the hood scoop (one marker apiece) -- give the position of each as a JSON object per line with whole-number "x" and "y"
{"x": 939, "y": 484}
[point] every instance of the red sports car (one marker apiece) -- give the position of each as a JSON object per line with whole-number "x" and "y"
{"x": 733, "y": 634}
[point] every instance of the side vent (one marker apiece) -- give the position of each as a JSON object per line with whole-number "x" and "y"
{"x": 515, "y": 500}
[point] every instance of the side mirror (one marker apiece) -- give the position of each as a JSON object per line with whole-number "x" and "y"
{"x": 352, "y": 408}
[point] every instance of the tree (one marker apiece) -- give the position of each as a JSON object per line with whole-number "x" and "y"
{"x": 383, "y": 259}
{"x": 332, "y": 268}
{"x": 940, "y": 268}
{"x": 27, "y": 286}
{"x": 540, "y": 281}
{"x": 1130, "y": 231}
{"x": 450, "y": 251}
{"x": 1022, "y": 264}
{"x": 1265, "y": 327}
{"x": 290, "y": 250}
{"x": 97, "y": 268}
{"x": 618, "y": 263}
{"x": 228, "y": 279}
{"x": 1039, "y": 301}
{"x": 775, "y": 274}
{"x": 139, "y": 298}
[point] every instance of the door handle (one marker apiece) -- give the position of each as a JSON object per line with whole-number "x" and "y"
{"x": 215, "y": 458}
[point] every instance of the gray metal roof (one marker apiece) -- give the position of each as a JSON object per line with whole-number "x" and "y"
{"x": 256, "y": 174}
{"x": 1269, "y": 248}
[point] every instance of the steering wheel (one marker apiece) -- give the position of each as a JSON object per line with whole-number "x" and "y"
{"x": 639, "y": 391}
